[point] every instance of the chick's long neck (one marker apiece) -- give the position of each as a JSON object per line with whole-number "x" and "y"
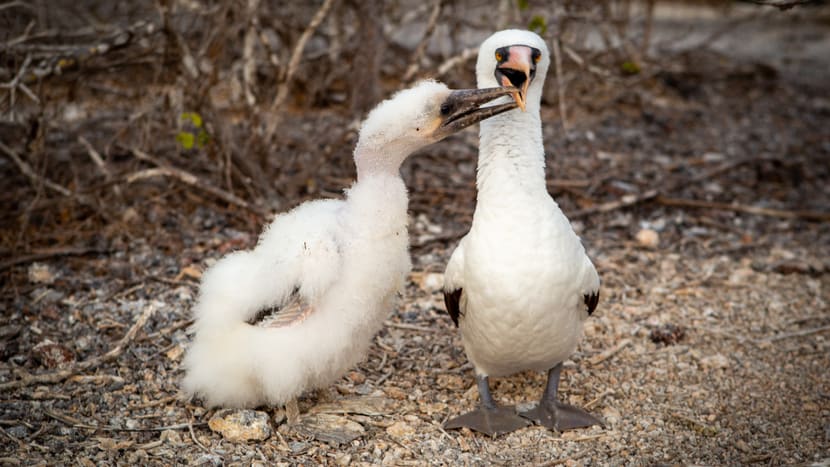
{"x": 379, "y": 197}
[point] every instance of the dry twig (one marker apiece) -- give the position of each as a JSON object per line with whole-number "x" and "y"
{"x": 249, "y": 63}
{"x": 769, "y": 212}
{"x": 782, "y": 4}
{"x": 608, "y": 353}
{"x": 560, "y": 85}
{"x": 36, "y": 180}
{"x": 410, "y": 327}
{"x": 293, "y": 63}
{"x": 788, "y": 335}
{"x": 17, "y": 83}
{"x": 623, "y": 202}
{"x": 189, "y": 179}
{"x": 452, "y": 62}
{"x": 75, "y": 423}
{"x": 28, "y": 379}
{"x": 99, "y": 162}
{"x": 415, "y": 61}
{"x": 48, "y": 253}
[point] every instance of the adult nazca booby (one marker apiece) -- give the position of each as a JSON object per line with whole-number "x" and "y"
{"x": 519, "y": 285}
{"x": 330, "y": 267}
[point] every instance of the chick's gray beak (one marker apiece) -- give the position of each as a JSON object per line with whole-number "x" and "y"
{"x": 462, "y": 108}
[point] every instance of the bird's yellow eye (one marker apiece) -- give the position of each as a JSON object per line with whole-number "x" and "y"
{"x": 499, "y": 56}
{"x": 536, "y": 58}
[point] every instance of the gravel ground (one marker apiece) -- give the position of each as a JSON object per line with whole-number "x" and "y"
{"x": 710, "y": 345}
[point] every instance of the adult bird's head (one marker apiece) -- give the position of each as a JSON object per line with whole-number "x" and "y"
{"x": 417, "y": 117}
{"x": 514, "y": 57}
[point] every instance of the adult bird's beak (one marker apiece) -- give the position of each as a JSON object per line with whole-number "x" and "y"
{"x": 516, "y": 67}
{"x": 462, "y": 108}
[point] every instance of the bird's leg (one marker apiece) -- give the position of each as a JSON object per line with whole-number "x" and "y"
{"x": 292, "y": 411}
{"x": 489, "y": 418}
{"x": 558, "y": 415}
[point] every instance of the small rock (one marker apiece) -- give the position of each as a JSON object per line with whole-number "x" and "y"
{"x": 298, "y": 446}
{"x": 52, "y": 355}
{"x": 191, "y": 272}
{"x": 667, "y": 334}
{"x": 357, "y": 377}
{"x": 40, "y": 273}
{"x": 716, "y": 361}
{"x": 395, "y": 393}
{"x": 18, "y": 431}
{"x": 364, "y": 389}
{"x": 611, "y": 415}
{"x": 450, "y": 381}
{"x": 400, "y": 429}
{"x": 175, "y": 353}
{"x": 648, "y": 238}
{"x": 741, "y": 276}
{"x": 210, "y": 459}
{"x": 343, "y": 459}
{"x": 171, "y": 437}
{"x": 110, "y": 444}
{"x": 279, "y": 416}
{"x": 332, "y": 429}
{"x": 8, "y": 331}
{"x": 130, "y": 216}
{"x": 241, "y": 425}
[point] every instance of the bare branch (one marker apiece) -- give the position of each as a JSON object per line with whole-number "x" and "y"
{"x": 452, "y": 62}
{"x": 96, "y": 158}
{"x": 782, "y": 4}
{"x": 27, "y": 170}
{"x": 40, "y": 255}
{"x": 560, "y": 85}
{"x": 27, "y": 379}
{"x": 188, "y": 179}
{"x": 249, "y": 63}
{"x": 769, "y": 212}
{"x": 296, "y": 54}
{"x": 415, "y": 61}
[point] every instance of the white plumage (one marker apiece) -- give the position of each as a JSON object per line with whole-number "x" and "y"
{"x": 332, "y": 267}
{"x": 519, "y": 284}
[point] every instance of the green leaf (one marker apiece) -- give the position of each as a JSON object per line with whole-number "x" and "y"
{"x": 523, "y": 4}
{"x": 630, "y": 67}
{"x": 193, "y": 118}
{"x": 538, "y": 24}
{"x": 186, "y": 139}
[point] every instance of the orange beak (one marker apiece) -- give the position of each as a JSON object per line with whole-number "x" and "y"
{"x": 517, "y": 69}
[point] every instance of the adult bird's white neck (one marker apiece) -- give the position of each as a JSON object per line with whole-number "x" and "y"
{"x": 511, "y": 156}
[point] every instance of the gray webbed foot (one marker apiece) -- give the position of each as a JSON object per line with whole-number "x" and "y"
{"x": 489, "y": 418}
{"x": 557, "y": 415}
{"x": 490, "y": 421}
{"x": 560, "y": 417}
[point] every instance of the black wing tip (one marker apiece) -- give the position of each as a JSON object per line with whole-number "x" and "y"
{"x": 452, "y": 301}
{"x": 591, "y": 300}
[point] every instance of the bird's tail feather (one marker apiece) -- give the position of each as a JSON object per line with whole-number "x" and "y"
{"x": 235, "y": 364}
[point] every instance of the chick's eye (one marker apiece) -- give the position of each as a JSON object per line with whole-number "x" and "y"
{"x": 445, "y": 109}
